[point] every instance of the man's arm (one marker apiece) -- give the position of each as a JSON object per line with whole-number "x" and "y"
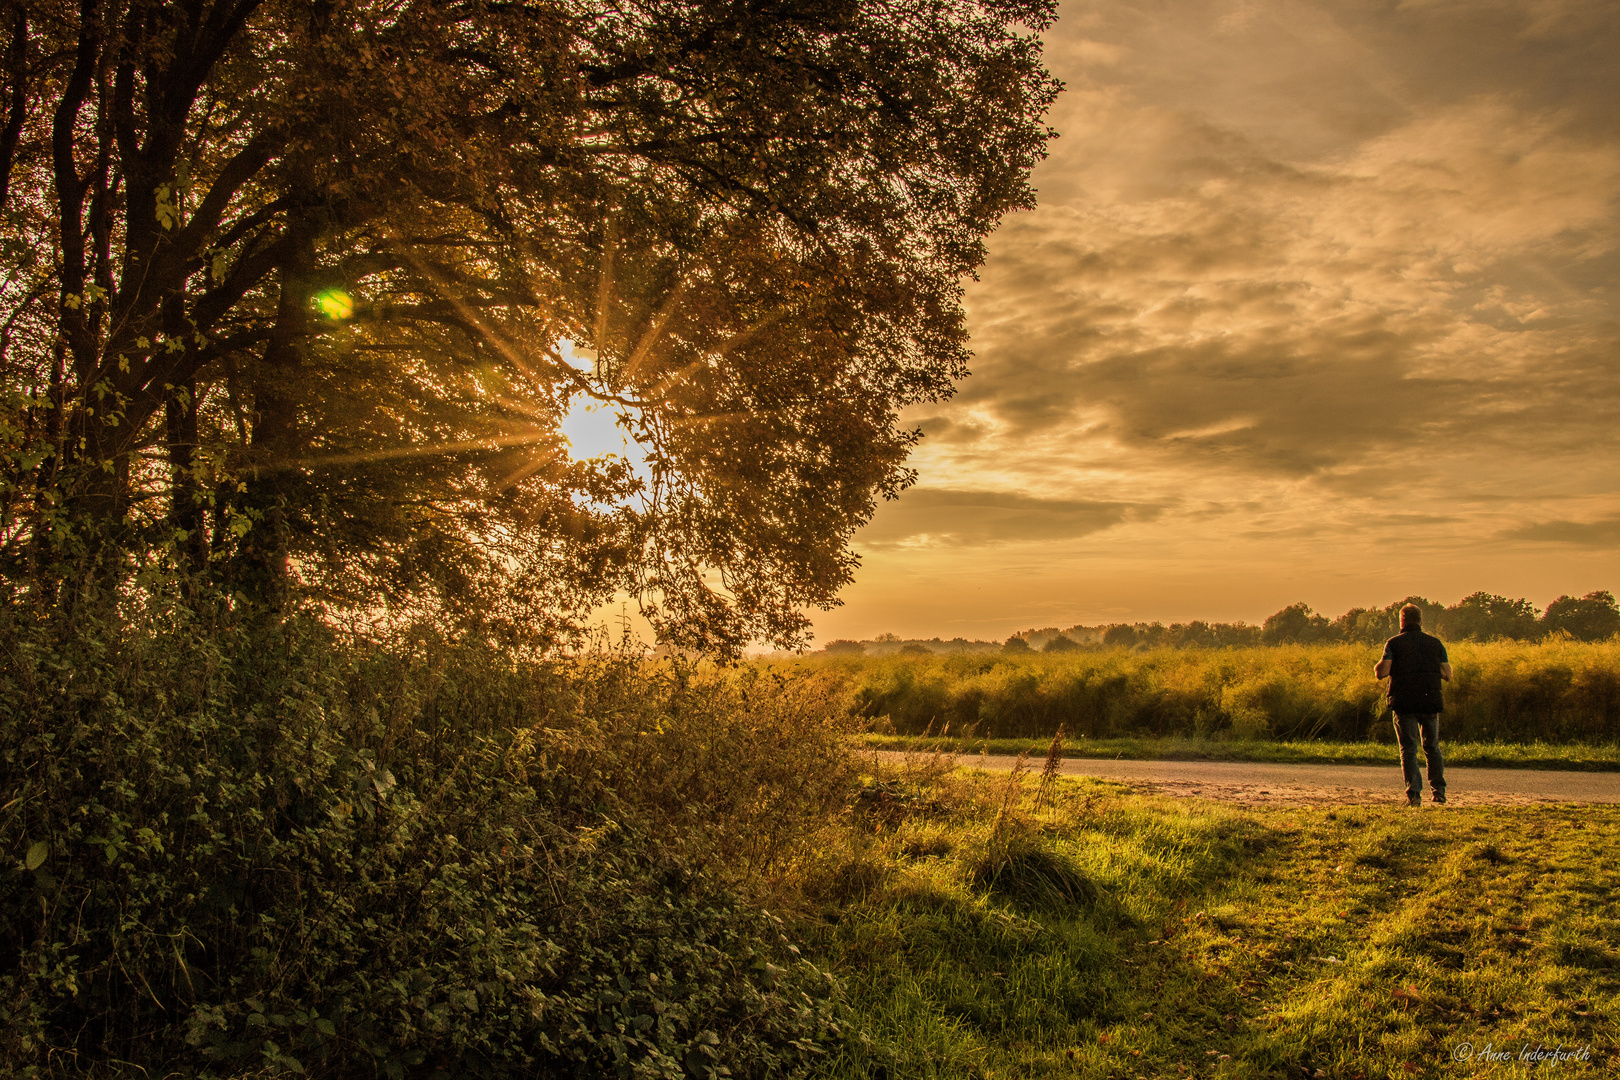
{"x": 1445, "y": 671}
{"x": 1382, "y": 670}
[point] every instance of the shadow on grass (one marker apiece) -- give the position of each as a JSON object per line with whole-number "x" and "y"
{"x": 1019, "y": 954}
{"x": 1125, "y": 936}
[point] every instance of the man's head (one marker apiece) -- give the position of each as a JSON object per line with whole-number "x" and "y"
{"x": 1411, "y": 617}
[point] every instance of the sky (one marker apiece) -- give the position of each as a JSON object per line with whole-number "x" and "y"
{"x": 1319, "y": 303}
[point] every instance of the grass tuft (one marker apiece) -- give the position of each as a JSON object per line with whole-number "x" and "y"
{"x": 1027, "y": 874}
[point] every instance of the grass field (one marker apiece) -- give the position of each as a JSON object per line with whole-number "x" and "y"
{"x": 1578, "y": 757}
{"x": 1504, "y": 692}
{"x": 268, "y": 851}
{"x": 1078, "y": 929}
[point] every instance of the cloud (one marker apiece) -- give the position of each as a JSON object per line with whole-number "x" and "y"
{"x": 1305, "y": 275}
{"x": 1272, "y": 249}
{"x": 952, "y": 518}
{"x": 1592, "y": 534}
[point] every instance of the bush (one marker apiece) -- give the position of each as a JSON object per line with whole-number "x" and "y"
{"x": 262, "y": 848}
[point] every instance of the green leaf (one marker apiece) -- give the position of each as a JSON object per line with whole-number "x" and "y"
{"x": 37, "y": 854}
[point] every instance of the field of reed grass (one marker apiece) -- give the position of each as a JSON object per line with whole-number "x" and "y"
{"x": 1504, "y": 692}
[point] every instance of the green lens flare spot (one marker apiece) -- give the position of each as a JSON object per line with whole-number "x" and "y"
{"x": 336, "y": 304}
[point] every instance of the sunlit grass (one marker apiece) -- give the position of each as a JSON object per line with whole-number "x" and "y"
{"x": 1222, "y": 942}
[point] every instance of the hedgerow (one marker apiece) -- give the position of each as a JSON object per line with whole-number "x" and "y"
{"x": 264, "y": 848}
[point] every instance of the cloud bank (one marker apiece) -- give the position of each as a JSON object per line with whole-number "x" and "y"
{"x": 1303, "y": 274}
{"x": 934, "y": 517}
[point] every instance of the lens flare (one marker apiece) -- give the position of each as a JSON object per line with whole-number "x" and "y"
{"x": 336, "y": 305}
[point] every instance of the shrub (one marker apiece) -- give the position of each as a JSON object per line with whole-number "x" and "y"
{"x": 263, "y": 848}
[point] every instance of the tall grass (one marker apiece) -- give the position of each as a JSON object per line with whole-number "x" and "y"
{"x": 1554, "y": 691}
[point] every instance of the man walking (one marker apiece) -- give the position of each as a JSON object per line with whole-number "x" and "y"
{"x": 1416, "y": 664}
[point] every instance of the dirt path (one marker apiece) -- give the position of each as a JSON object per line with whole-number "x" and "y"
{"x": 1256, "y": 784}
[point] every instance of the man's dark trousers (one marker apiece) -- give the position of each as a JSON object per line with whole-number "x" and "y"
{"x": 1411, "y": 728}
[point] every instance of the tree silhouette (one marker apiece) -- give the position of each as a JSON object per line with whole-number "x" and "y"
{"x": 1294, "y": 624}
{"x": 1482, "y": 616}
{"x": 1120, "y": 634}
{"x": 289, "y": 290}
{"x": 1593, "y": 617}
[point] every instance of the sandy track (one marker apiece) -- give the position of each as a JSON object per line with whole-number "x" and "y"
{"x": 1260, "y": 784}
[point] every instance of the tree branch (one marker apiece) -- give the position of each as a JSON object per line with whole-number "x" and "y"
{"x": 17, "y": 73}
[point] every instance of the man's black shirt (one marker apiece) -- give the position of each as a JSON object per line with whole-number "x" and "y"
{"x": 1414, "y": 671}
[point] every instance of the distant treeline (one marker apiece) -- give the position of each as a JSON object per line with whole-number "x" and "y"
{"x": 890, "y": 644}
{"x": 1478, "y": 617}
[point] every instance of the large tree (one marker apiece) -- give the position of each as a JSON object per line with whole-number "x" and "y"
{"x": 1593, "y": 617}
{"x": 293, "y": 290}
{"x": 1483, "y": 616}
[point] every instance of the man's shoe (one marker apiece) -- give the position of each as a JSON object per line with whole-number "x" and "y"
{"x": 1414, "y": 800}
{"x": 1440, "y": 797}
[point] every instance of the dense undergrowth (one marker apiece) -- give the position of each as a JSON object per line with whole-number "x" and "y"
{"x": 1509, "y": 692}
{"x": 264, "y": 849}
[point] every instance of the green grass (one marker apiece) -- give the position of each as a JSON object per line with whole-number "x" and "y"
{"x": 1209, "y": 941}
{"x": 1574, "y": 757}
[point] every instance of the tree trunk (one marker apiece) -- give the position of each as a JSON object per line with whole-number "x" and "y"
{"x": 264, "y": 575}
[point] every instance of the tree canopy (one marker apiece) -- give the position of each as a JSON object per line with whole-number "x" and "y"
{"x": 1592, "y": 617}
{"x": 1480, "y": 616}
{"x": 299, "y": 293}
